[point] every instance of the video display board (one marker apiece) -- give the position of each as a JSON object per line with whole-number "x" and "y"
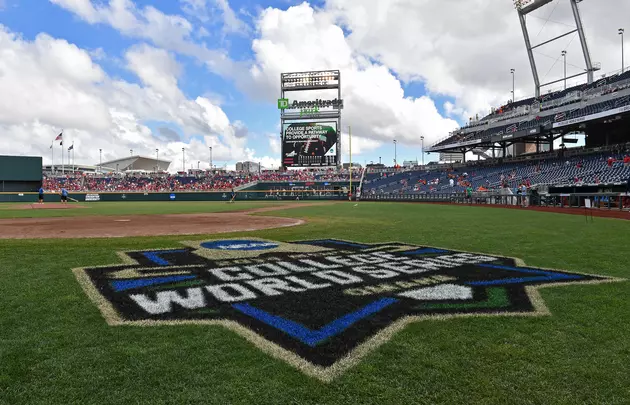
{"x": 309, "y": 144}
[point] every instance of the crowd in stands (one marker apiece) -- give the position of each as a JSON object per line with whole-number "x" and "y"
{"x": 537, "y": 111}
{"x": 182, "y": 182}
{"x": 595, "y": 168}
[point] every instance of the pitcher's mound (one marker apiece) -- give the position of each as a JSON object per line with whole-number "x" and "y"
{"x": 50, "y": 206}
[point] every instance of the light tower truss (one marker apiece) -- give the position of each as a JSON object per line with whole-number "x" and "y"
{"x": 524, "y": 7}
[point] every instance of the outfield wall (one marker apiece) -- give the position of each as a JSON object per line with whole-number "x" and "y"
{"x": 255, "y": 195}
{"x": 20, "y": 173}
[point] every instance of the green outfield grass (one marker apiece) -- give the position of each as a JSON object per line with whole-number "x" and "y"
{"x": 55, "y": 347}
{"x": 17, "y": 210}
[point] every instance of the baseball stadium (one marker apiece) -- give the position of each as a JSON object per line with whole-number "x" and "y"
{"x": 496, "y": 277}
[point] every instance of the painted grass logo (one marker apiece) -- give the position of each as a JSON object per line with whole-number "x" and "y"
{"x": 321, "y": 304}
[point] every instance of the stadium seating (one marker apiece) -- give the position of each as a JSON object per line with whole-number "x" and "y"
{"x": 491, "y": 125}
{"x": 201, "y": 182}
{"x": 555, "y": 170}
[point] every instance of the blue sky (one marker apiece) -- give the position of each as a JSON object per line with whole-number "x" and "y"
{"x": 29, "y": 18}
{"x": 145, "y": 74}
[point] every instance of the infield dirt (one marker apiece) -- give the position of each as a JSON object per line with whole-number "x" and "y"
{"x": 146, "y": 225}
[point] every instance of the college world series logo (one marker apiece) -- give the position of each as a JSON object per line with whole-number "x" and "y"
{"x": 320, "y": 304}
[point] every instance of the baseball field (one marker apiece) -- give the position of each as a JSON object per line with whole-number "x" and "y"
{"x": 311, "y": 303}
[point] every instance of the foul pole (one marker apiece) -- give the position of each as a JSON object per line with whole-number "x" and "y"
{"x": 350, "y": 146}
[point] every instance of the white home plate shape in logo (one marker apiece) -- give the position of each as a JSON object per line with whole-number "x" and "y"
{"x": 239, "y": 245}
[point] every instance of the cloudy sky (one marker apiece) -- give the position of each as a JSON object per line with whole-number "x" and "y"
{"x": 121, "y": 75}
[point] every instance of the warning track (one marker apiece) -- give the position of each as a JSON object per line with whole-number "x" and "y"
{"x": 146, "y": 225}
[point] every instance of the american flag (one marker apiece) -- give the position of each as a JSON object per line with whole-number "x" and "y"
{"x": 58, "y": 138}
{"x": 559, "y": 117}
{"x": 511, "y": 128}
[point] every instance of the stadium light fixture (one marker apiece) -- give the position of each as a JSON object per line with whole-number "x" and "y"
{"x": 623, "y": 65}
{"x": 321, "y": 79}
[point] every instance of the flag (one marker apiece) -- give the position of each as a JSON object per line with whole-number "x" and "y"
{"x": 50, "y": 146}
{"x": 58, "y": 138}
{"x": 61, "y": 143}
{"x": 71, "y": 147}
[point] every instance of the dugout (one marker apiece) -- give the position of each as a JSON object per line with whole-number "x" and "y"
{"x": 20, "y": 173}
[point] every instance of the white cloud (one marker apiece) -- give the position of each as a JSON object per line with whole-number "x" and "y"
{"x": 170, "y": 32}
{"x": 49, "y": 84}
{"x": 55, "y": 94}
{"x": 208, "y": 10}
{"x": 457, "y": 48}
{"x": 465, "y": 49}
{"x": 156, "y": 68}
{"x": 302, "y": 38}
{"x": 231, "y": 22}
{"x": 274, "y": 144}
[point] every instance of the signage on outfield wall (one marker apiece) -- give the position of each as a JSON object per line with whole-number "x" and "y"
{"x": 92, "y": 197}
{"x": 318, "y": 304}
{"x": 591, "y": 117}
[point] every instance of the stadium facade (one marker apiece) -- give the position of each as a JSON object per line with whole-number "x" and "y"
{"x": 135, "y": 163}
{"x": 599, "y": 109}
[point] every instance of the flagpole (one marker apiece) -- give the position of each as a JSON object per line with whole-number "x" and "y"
{"x": 63, "y": 169}
{"x": 52, "y": 158}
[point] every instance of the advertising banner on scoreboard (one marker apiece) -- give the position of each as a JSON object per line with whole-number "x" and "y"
{"x": 309, "y": 144}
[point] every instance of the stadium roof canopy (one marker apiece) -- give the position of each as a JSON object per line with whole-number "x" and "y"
{"x": 137, "y": 163}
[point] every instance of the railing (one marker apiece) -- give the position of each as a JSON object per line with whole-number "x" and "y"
{"x": 609, "y": 201}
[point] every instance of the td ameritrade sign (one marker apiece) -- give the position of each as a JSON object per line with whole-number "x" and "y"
{"x": 285, "y": 104}
{"x": 318, "y": 304}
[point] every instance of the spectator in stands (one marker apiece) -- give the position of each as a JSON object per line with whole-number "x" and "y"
{"x": 626, "y": 161}
{"x": 524, "y": 195}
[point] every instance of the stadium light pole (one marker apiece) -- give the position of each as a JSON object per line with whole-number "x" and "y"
{"x": 564, "y": 55}
{"x": 621, "y": 31}
{"x": 513, "y": 96}
{"x": 422, "y": 148}
{"x": 395, "y": 154}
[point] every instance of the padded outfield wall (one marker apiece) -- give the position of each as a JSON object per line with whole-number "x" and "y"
{"x": 176, "y": 196}
{"x": 260, "y": 191}
{"x": 20, "y": 173}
